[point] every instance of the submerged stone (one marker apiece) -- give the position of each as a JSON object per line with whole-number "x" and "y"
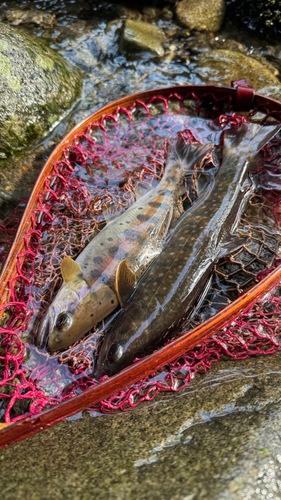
{"x": 138, "y": 35}
{"x": 201, "y": 15}
{"x": 37, "y": 87}
{"x": 220, "y": 67}
{"x": 41, "y": 18}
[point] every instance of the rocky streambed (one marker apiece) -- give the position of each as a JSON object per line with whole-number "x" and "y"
{"x": 60, "y": 61}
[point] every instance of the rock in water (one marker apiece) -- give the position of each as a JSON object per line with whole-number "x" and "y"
{"x": 37, "y": 87}
{"x": 201, "y": 15}
{"x": 138, "y": 35}
{"x": 41, "y": 18}
{"x": 220, "y": 67}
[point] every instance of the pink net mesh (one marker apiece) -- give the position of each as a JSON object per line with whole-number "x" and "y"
{"x": 103, "y": 167}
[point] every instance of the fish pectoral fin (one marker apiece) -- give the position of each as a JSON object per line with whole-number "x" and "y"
{"x": 230, "y": 245}
{"x": 124, "y": 282}
{"x": 3, "y": 425}
{"x": 69, "y": 268}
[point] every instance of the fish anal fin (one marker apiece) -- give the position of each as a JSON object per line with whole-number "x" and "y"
{"x": 124, "y": 282}
{"x": 231, "y": 245}
{"x": 69, "y": 268}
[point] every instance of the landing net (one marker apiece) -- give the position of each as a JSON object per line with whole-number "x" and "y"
{"x": 102, "y": 168}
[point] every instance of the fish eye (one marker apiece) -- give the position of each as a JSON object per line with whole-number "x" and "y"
{"x": 62, "y": 321}
{"x": 115, "y": 352}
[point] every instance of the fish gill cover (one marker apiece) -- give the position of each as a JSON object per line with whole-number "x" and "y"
{"x": 102, "y": 168}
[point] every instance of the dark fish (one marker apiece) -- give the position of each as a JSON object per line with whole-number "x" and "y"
{"x": 168, "y": 290}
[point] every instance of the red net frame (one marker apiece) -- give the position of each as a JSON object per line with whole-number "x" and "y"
{"x": 241, "y": 339}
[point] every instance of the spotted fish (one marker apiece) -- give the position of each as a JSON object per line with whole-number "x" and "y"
{"x": 103, "y": 275}
{"x": 168, "y": 290}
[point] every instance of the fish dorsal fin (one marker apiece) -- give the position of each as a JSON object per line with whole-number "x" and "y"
{"x": 69, "y": 268}
{"x": 110, "y": 213}
{"x": 141, "y": 189}
{"x": 124, "y": 282}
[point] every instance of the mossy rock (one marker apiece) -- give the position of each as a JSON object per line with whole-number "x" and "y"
{"x": 201, "y": 15}
{"x": 220, "y": 67}
{"x": 139, "y": 36}
{"x": 37, "y": 87}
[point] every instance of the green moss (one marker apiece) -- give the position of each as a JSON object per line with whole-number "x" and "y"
{"x": 32, "y": 132}
{"x": 45, "y": 63}
{"x": 3, "y": 44}
{"x": 5, "y": 66}
{"x": 14, "y": 83}
{"x": 52, "y": 119}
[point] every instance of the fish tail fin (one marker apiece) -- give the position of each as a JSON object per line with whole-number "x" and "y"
{"x": 248, "y": 139}
{"x": 185, "y": 156}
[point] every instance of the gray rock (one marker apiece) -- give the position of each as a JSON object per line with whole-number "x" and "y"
{"x": 38, "y": 86}
{"x": 138, "y": 35}
{"x": 220, "y": 67}
{"x": 202, "y": 15}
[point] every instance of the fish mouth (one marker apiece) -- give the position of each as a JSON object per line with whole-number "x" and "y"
{"x": 100, "y": 371}
{"x": 42, "y": 332}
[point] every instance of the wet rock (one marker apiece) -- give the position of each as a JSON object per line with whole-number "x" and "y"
{"x": 202, "y": 15}
{"x": 222, "y": 66}
{"x": 167, "y": 13}
{"x": 128, "y": 13}
{"x": 216, "y": 440}
{"x": 203, "y": 42}
{"x": 139, "y": 36}
{"x": 19, "y": 16}
{"x": 151, "y": 12}
{"x": 38, "y": 86}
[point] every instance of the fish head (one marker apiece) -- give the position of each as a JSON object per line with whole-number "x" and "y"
{"x": 110, "y": 357}
{"x": 74, "y": 311}
{"x": 118, "y": 347}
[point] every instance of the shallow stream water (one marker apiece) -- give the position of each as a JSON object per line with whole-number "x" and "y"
{"x": 217, "y": 439}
